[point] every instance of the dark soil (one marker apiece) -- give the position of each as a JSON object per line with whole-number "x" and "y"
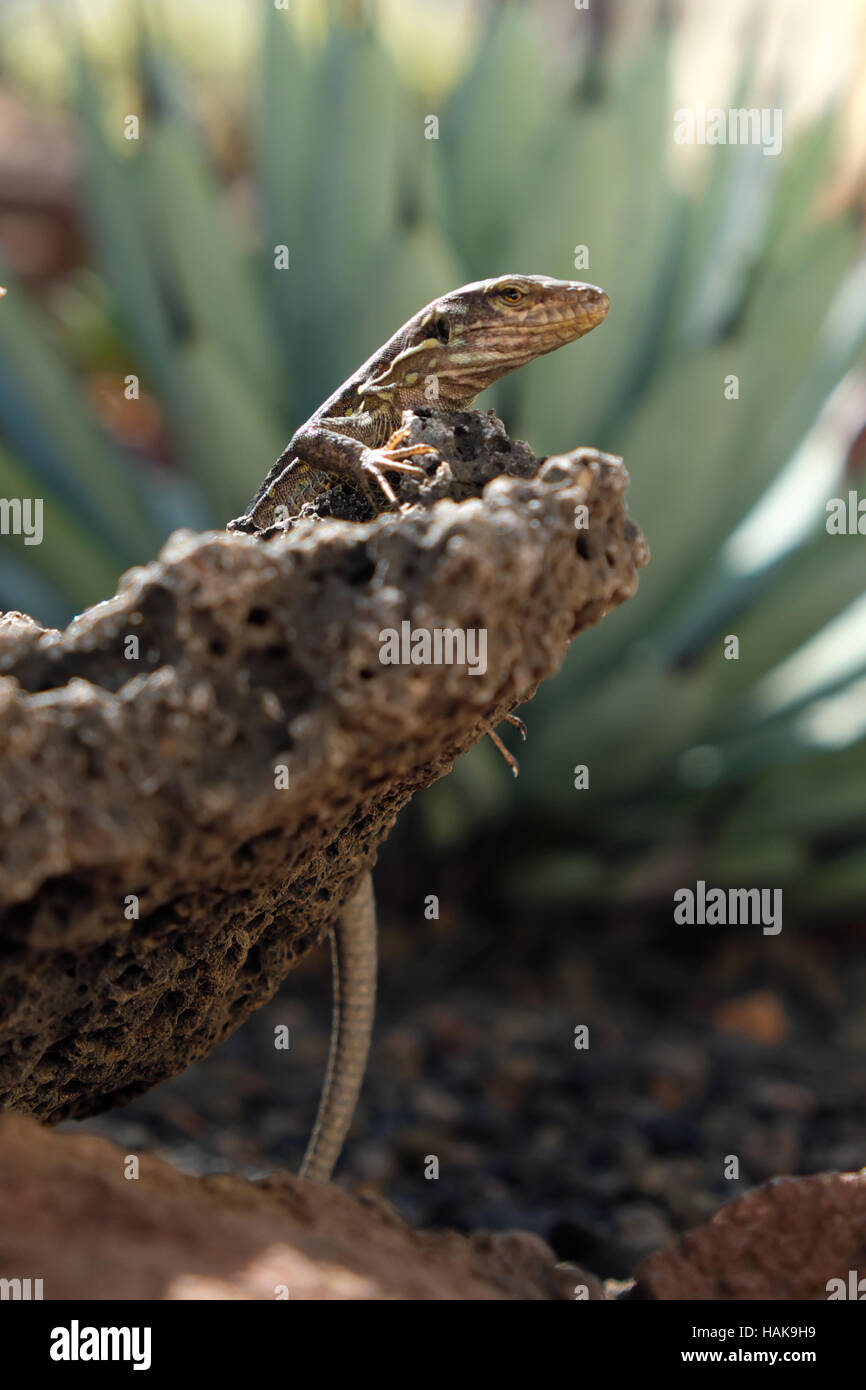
{"x": 704, "y": 1043}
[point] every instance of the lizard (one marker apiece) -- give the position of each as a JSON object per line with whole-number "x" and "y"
{"x": 443, "y": 356}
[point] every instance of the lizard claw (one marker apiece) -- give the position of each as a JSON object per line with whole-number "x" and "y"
{"x": 394, "y": 450}
{"x": 517, "y": 724}
{"x": 397, "y": 437}
{"x": 509, "y": 757}
{"x": 408, "y": 452}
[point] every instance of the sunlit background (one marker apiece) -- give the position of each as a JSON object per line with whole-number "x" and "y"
{"x": 305, "y": 127}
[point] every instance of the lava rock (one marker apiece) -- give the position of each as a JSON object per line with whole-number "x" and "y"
{"x": 195, "y": 774}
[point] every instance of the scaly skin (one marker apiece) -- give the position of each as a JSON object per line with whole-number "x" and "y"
{"x": 443, "y": 357}
{"x": 353, "y": 970}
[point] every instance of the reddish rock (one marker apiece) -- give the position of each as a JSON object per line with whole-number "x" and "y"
{"x": 785, "y": 1240}
{"x": 70, "y": 1216}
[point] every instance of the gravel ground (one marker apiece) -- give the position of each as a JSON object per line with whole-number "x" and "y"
{"x": 704, "y": 1043}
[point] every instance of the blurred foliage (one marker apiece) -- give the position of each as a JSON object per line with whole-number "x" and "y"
{"x": 696, "y": 766}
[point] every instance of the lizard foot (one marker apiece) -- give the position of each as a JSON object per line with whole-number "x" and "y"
{"x": 375, "y": 462}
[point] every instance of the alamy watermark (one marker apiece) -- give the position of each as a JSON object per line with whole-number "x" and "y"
{"x": 739, "y": 125}
{"x": 438, "y": 646}
{"x": 22, "y": 516}
{"x": 732, "y": 907}
{"x": 77, "y": 1343}
{"x": 846, "y": 516}
{"x": 852, "y": 1288}
{"x": 20, "y": 1290}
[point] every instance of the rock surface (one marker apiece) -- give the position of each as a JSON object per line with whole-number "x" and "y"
{"x": 785, "y": 1240}
{"x": 68, "y": 1211}
{"x": 157, "y": 882}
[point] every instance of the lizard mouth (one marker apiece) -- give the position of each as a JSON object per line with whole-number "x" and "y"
{"x": 574, "y": 315}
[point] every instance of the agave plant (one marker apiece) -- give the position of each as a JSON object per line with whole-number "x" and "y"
{"x": 749, "y": 770}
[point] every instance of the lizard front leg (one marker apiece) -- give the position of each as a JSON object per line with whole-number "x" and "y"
{"x": 325, "y": 447}
{"x": 317, "y": 449}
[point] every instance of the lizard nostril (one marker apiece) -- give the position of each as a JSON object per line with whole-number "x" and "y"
{"x": 598, "y": 299}
{"x": 591, "y": 294}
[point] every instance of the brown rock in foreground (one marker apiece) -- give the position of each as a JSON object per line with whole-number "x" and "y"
{"x": 156, "y": 883}
{"x": 785, "y": 1240}
{"x": 69, "y": 1215}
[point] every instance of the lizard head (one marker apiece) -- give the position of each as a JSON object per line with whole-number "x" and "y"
{"x": 474, "y": 335}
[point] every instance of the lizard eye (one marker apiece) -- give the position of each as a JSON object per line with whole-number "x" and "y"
{"x": 512, "y": 294}
{"x": 442, "y": 328}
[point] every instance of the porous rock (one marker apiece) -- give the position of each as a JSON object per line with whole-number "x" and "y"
{"x": 157, "y": 879}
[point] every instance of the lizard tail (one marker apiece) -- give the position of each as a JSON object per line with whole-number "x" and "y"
{"x": 353, "y": 961}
